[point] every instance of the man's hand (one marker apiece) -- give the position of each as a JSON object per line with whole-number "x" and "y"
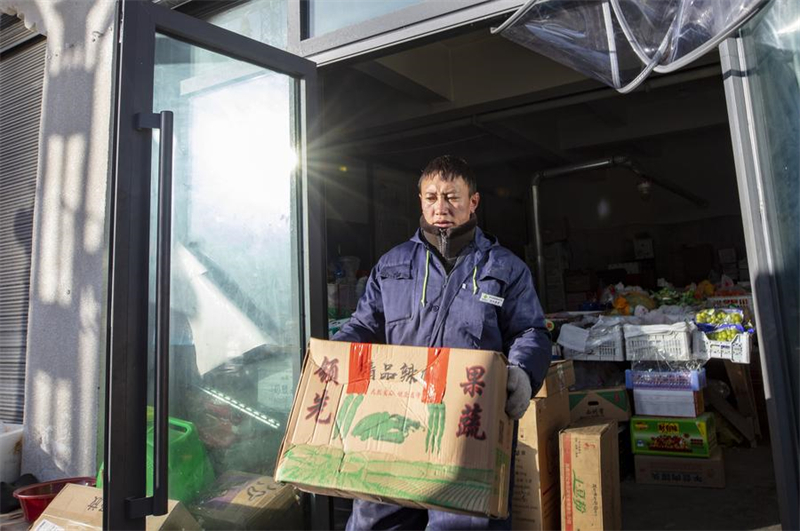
{"x": 519, "y": 392}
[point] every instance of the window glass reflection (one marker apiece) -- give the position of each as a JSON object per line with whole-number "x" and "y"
{"x": 235, "y": 331}
{"x": 772, "y": 44}
{"x": 325, "y": 16}
{"x": 265, "y": 21}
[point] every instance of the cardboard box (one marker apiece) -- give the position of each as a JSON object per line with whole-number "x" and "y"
{"x": 535, "y": 504}
{"x": 554, "y": 277}
{"x": 560, "y": 376}
{"x": 609, "y": 403}
{"x": 674, "y": 436}
{"x": 413, "y": 426}
{"x": 631, "y": 268}
{"x": 668, "y": 403}
{"x": 643, "y": 248}
{"x": 238, "y": 500}
{"x": 78, "y": 507}
{"x": 579, "y": 281}
{"x": 590, "y": 495}
{"x": 681, "y": 471}
{"x": 727, "y": 256}
{"x": 556, "y": 299}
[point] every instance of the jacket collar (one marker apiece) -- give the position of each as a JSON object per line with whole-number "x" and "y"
{"x": 483, "y": 241}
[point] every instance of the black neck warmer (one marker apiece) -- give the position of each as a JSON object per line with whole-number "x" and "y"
{"x": 448, "y": 243}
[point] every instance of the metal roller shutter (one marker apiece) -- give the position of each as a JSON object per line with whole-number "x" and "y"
{"x": 21, "y": 79}
{"x": 13, "y": 32}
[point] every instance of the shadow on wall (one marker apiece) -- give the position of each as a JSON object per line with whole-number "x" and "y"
{"x": 66, "y": 335}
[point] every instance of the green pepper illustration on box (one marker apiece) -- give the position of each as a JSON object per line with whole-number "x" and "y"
{"x": 687, "y": 437}
{"x": 420, "y": 427}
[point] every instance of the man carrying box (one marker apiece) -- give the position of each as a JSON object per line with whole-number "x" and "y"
{"x": 451, "y": 285}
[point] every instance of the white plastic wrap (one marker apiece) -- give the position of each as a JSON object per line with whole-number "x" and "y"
{"x": 619, "y": 42}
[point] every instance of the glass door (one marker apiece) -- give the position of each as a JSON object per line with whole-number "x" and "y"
{"x": 761, "y": 69}
{"x": 216, "y": 271}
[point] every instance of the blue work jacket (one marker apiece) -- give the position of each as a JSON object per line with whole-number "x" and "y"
{"x": 487, "y": 302}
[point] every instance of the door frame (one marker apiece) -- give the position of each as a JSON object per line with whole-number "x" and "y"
{"x": 782, "y": 418}
{"x": 126, "y": 357}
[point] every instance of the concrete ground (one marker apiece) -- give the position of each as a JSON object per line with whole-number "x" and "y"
{"x": 748, "y": 501}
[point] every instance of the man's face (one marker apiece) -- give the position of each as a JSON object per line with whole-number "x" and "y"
{"x": 447, "y": 204}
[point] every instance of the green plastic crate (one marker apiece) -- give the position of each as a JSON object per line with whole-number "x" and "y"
{"x": 189, "y": 468}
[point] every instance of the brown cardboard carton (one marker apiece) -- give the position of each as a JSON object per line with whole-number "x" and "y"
{"x": 535, "y": 504}
{"x": 590, "y": 496}
{"x": 559, "y": 377}
{"x": 681, "y": 471}
{"x": 78, "y": 507}
{"x": 610, "y": 403}
{"x": 238, "y": 500}
{"x": 418, "y": 427}
{"x": 674, "y": 436}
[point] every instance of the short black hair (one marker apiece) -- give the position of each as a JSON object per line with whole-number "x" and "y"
{"x": 448, "y": 168}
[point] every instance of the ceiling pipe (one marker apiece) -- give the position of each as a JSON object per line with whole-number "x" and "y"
{"x": 620, "y": 162}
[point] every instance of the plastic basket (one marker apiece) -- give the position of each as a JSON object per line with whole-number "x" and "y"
{"x": 745, "y": 302}
{"x": 35, "y": 498}
{"x": 737, "y": 351}
{"x": 611, "y": 349}
{"x": 658, "y": 342}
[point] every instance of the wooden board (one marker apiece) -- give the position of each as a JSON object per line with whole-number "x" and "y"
{"x": 742, "y": 386}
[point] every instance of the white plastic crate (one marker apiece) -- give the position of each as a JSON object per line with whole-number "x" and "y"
{"x": 659, "y": 342}
{"x": 745, "y": 302}
{"x": 612, "y": 348}
{"x": 737, "y": 351}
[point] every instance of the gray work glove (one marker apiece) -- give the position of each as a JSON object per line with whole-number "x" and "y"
{"x": 519, "y": 392}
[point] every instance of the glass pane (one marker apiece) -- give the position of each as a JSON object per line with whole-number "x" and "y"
{"x": 235, "y": 330}
{"x": 325, "y": 16}
{"x": 772, "y": 45}
{"x": 265, "y": 21}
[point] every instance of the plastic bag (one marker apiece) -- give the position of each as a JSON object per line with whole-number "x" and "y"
{"x": 619, "y": 42}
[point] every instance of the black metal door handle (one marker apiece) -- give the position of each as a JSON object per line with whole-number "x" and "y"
{"x": 163, "y": 122}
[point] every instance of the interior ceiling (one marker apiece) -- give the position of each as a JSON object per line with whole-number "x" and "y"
{"x": 479, "y": 96}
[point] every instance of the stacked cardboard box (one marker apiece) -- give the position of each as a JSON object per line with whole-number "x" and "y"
{"x": 673, "y": 441}
{"x": 535, "y": 505}
{"x": 579, "y": 286}
{"x": 590, "y": 493}
{"x": 608, "y": 403}
{"x": 80, "y": 508}
{"x": 729, "y": 263}
{"x": 556, "y": 261}
{"x": 239, "y": 500}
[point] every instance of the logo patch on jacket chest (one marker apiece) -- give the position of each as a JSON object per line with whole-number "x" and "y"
{"x": 492, "y": 299}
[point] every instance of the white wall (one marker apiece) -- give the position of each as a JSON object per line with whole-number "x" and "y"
{"x": 66, "y": 326}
